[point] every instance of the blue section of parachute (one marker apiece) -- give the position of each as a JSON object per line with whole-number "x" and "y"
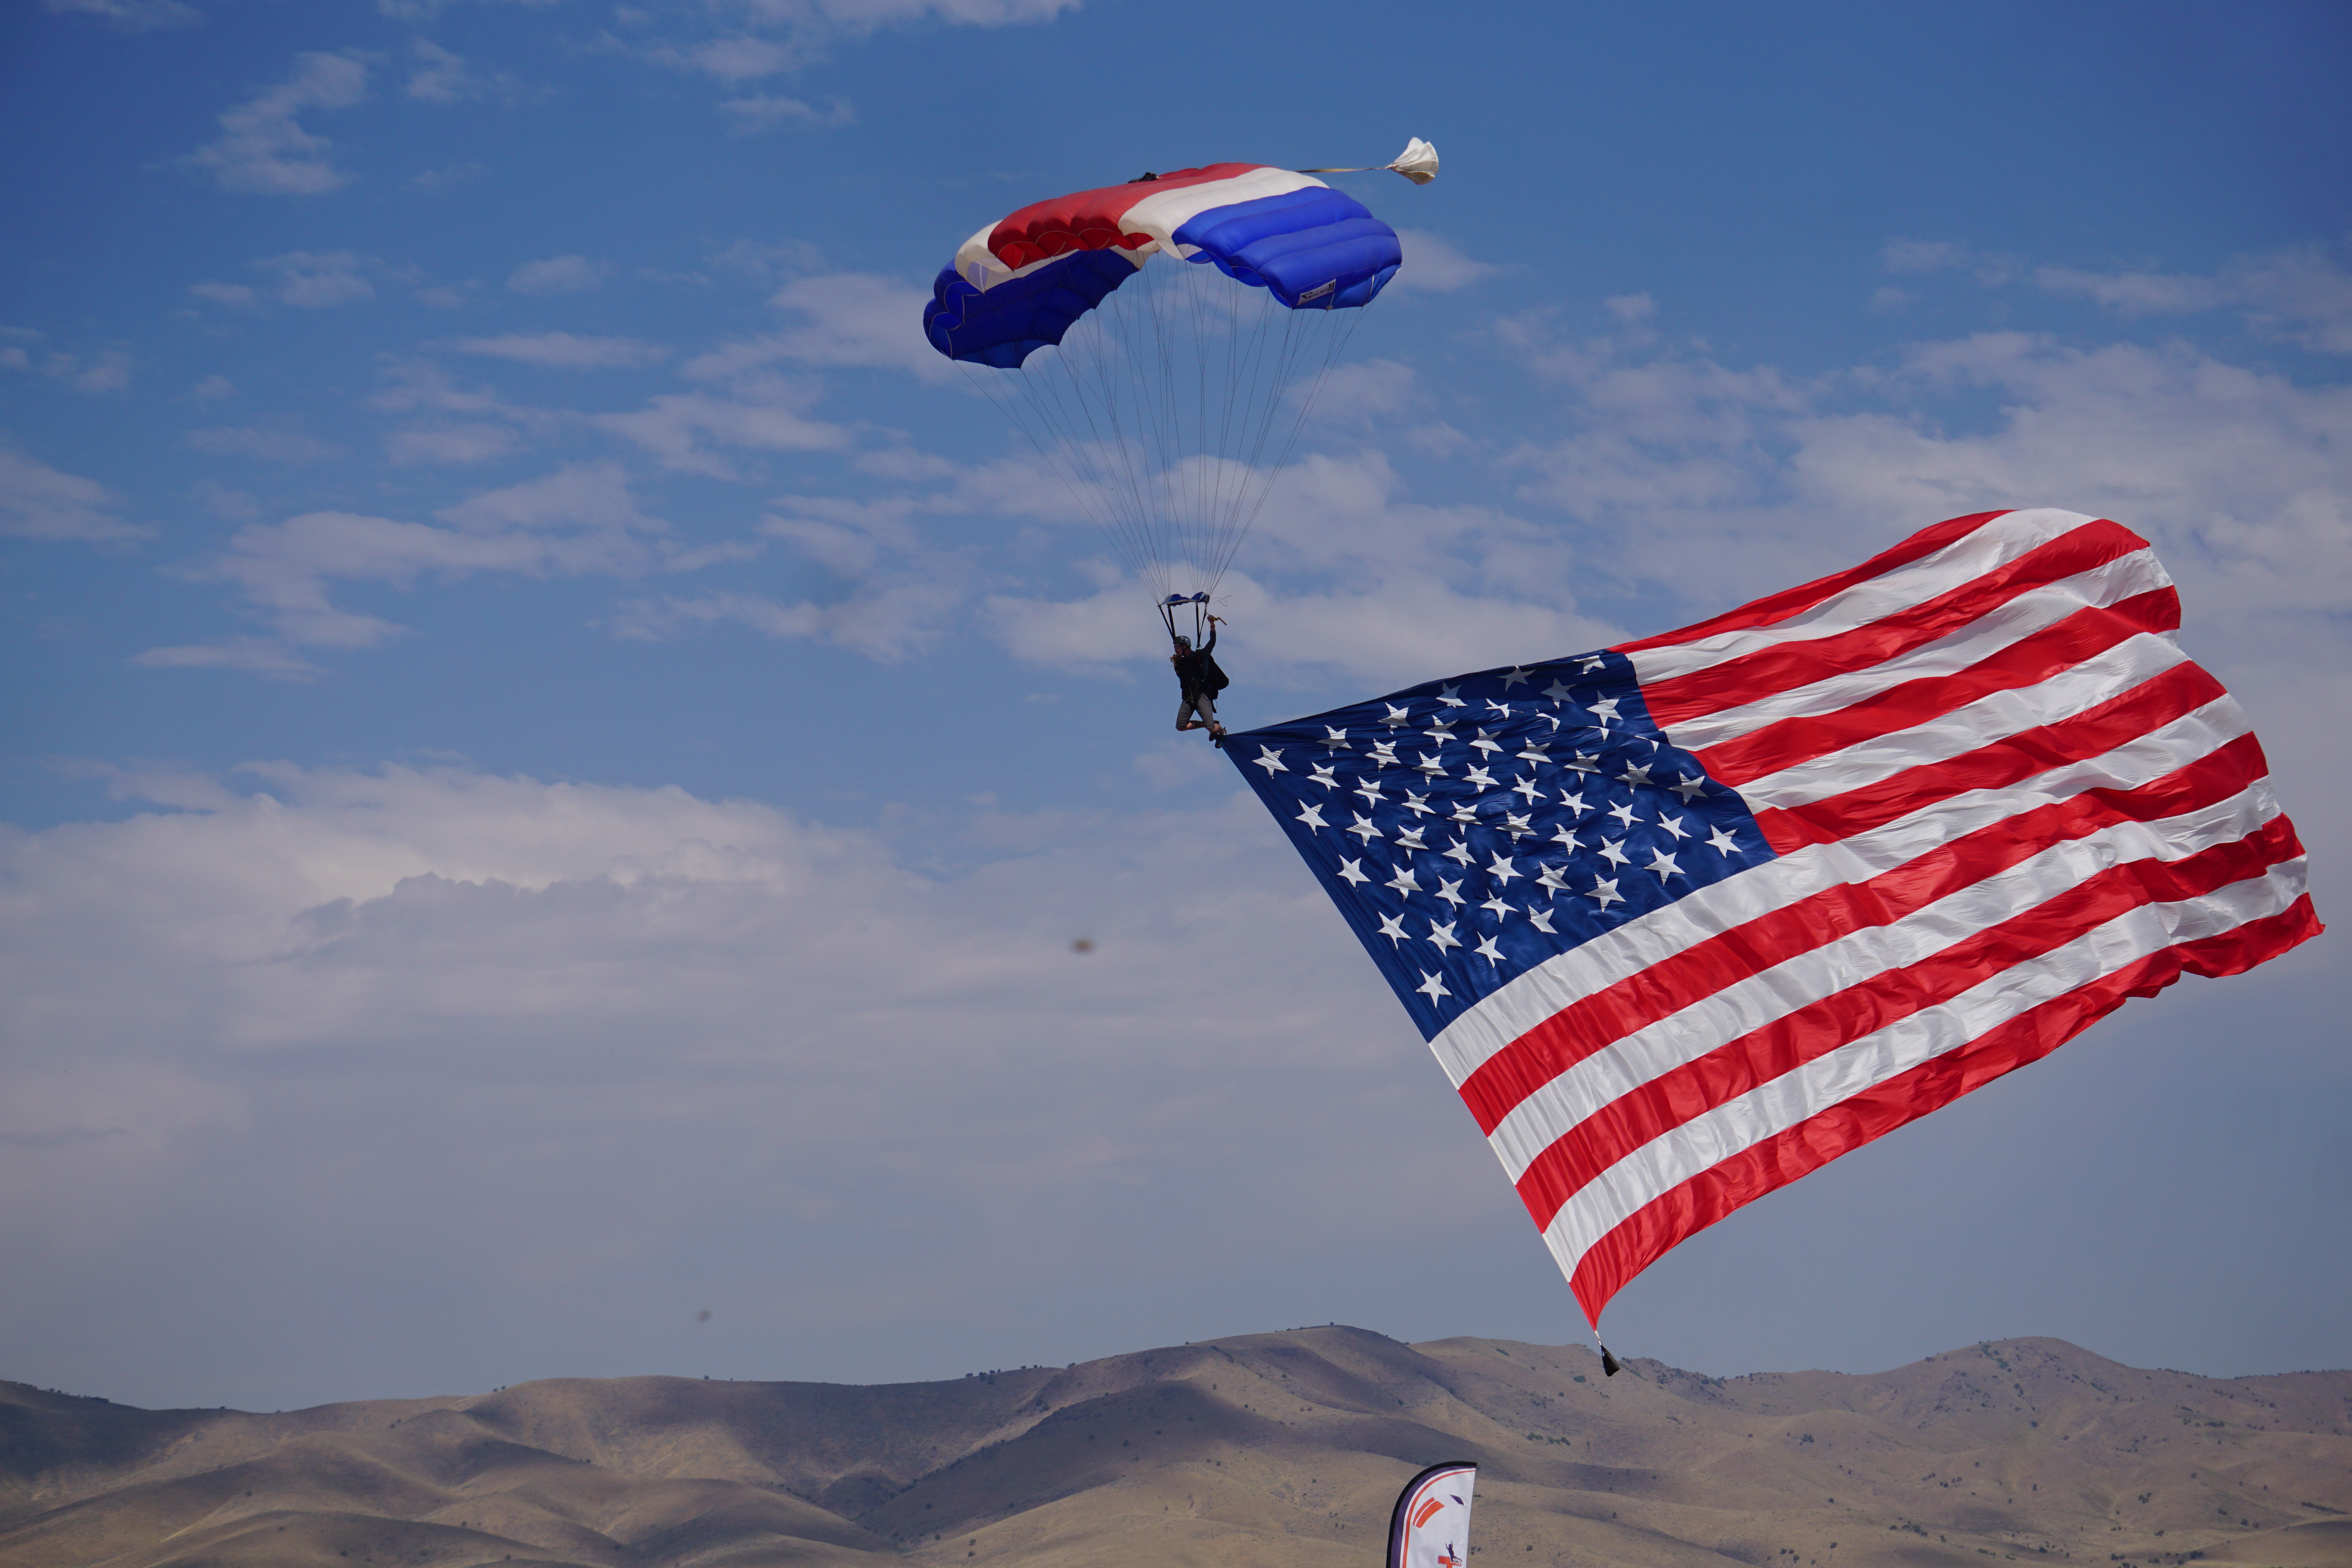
{"x": 1021, "y": 315}
{"x": 1315, "y": 249}
{"x": 1317, "y": 242}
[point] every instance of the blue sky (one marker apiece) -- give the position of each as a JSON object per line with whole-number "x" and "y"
{"x": 554, "y": 758}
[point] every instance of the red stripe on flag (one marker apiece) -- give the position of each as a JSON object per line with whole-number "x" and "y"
{"x": 1733, "y": 1068}
{"x": 1663, "y": 988}
{"x": 1647, "y": 1235}
{"x": 1777, "y": 608}
{"x": 2029, "y": 661}
{"x": 2121, "y": 719}
{"x": 1089, "y": 220}
{"x": 1785, "y": 666}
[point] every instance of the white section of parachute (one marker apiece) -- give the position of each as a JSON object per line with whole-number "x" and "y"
{"x": 1159, "y": 215}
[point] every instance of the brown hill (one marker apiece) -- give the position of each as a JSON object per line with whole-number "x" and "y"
{"x": 1268, "y": 1449}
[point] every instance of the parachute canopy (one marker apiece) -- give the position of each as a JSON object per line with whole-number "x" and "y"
{"x": 1022, "y": 282}
{"x": 1174, "y": 393}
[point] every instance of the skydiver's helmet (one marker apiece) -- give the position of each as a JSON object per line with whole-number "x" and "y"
{"x": 1183, "y": 645}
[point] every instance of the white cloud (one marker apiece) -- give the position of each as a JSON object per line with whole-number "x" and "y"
{"x": 735, "y": 42}
{"x": 271, "y": 443}
{"x": 317, "y": 280}
{"x": 426, "y": 10}
{"x": 735, "y": 59}
{"x": 558, "y": 275}
{"x": 756, "y": 112}
{"x": 421, "y": 385}
{"x": 249, "y": 655}
{"x": 234, "y": 296}
{"x": 1715, "y": 484}
{"x": 449, "y": 177}
{"x": 96, "y": 371}
{"x": 775, "y": 1026}
{"x": 451, "y": 444}
{"x": 563, "y": 350}
{"x": 1921, "y": 255}
{"x": 1436, "y": 264}
{"x": 444, "y": 79}
{"x": 578, "y": 521}
{"x": 37, "y": 502}
{"x": 896, "y": 624}
{"x": 1372, "y": 389}
{"x": 2302, "y": 296}
{"x": 2133, "y": 293}
{"x": 899, "y": 591}
{"x": 862, "y": 14}
{"x": 1709, "y": 469}
{"x": 1346, "y": 576}
{"x": 764, "y": 259}
{"x": 593, "y": 500}
{"x": 1385, "y": 397}
{"x": 213, "y": 388}
{"x": 96, "y": 374}
{"x": 762, "y": 414}
{"x": 135, "y": 16}
{"x": 848, "y": 320}
{"x": 109, "y": 370}
{"x": 263, "y": 149}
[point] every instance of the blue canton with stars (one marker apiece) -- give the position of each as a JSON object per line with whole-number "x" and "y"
{"x": 1471, "y": 828}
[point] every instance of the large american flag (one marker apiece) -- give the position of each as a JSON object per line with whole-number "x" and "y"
{"x": 1686, "y": 919}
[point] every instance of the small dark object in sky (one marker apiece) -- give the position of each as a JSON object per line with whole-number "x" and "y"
{"x": 1083, "y": 944}
{"x": 1609, "y": 1363}
{"x": 703, "y": 1316}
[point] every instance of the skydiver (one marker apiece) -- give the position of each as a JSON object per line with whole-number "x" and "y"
{"x": 1199, "y": 679}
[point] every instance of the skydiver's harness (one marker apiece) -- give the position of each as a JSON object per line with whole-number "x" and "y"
{"x": 1202, "y": 662}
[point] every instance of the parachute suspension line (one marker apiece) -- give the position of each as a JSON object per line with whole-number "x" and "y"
{"x": 1168, "y": 413}
{"x": 1253, "y": 378}
{"x": 1076, "y": 458}
{"x": 1338, "y": 346}
{"x": 1095, "y": 380}
{"x": 1092, "y": 385}
{"x": 1278, "y": 375}
{"x": 1157, "y": 374}
{"x": 982, "y": 379}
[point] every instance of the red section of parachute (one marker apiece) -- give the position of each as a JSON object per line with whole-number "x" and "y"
{"x": 1089, "y": 220}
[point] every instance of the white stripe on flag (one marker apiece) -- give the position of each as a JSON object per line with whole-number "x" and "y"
{"x": 1759, "y": 999}
{"x": 1998, "y": 629}
{"x": 1464, "y": 1046}
{"x": 1996, "y": 717}
{"x": 1697, "y": 1145}
{"x": 1980, "y": 551}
